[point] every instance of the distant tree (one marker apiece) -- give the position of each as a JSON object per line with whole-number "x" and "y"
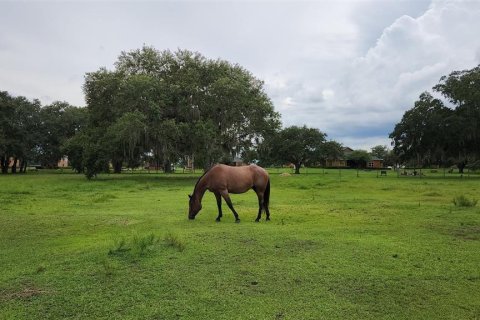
{"x": 390, "y": 159}
{"x": 58, "y": 122}
{"x": 74, "y": 148}
{"x": 331, "y": 150}
{"x": 379, "y": 151}
{"x": 19, "y": 133}
{"x": 420, "y": 135}
{"x": 431, "y": 133}
{"x": 297, "y": 145}
{"x": 462, "y": 89}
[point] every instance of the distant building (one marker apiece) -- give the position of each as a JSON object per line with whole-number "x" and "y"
{"x": 375, "y": 163}
{"x": 343, "y": 162}
{"x": 63, "y": 163}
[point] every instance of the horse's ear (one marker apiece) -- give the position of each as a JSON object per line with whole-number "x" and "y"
{"x": 190, "y": 196}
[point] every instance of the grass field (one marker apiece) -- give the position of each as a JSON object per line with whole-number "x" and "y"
{"x": 338, "y": 247}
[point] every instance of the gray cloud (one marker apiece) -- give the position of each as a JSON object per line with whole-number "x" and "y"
{"x": 350, "y": 68}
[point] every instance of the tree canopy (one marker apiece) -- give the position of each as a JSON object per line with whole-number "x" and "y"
{"x": 434, "y": 133}
{"x": 297, "y": 145}
{"x": 163, "y": 105}
{"x": 30, "y": 133}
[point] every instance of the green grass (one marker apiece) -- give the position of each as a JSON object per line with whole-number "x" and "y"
{"x": 338, "y": 247}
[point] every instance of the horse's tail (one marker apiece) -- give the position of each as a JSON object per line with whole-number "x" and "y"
{"x": 266, "y": 195}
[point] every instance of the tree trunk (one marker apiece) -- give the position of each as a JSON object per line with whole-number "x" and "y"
{"x": 14, "y": 165}
{"x": 461, "y": 166}
{"x": 297, "y": 167}
{"x": 23, "y": 166}
{"x": 167, "y": 167}
{"x": 4, "y": 164}
{"x": 117, "y": 166}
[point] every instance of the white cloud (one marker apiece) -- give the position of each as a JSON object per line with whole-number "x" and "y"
{"x": 350, "y": 68}
{"x": 409, "y": 57}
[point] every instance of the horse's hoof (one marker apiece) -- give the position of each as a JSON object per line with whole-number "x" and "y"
{"x": 218, "y": 220}
{"x": 237, "y": 221}
{"x": 257, "y": 220}
{"x": 268, "y": 219}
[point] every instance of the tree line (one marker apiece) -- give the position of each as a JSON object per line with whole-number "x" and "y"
{"x": 434, "y": 132}
{"x": 155, "y": 107}
{"x": 159, "y": 107}
{"x": 32, "y": 134}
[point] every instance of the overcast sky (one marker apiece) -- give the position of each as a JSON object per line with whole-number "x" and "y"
{"x": 348, "y": 67}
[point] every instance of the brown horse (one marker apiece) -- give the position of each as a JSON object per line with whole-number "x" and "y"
{"x": 222, "y": 180}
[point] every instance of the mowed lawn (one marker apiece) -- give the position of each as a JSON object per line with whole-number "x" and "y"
{"x": 338, "y": 247}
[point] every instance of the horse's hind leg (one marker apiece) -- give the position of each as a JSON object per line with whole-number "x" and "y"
{"x": 219, "y": 205}
{"x": 230, "y": 205}
{"x": 267, "y": 212}
{"x": 260, "y": 207}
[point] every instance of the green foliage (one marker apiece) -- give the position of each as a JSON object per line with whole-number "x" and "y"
{"x": 35, "y": 134}
{"x": 184, "y": 104}
{"x": 431, "y": 133}
{"x": 19, "y": 130}
{"x": 59, "y": 122}
{"x": 462, "y": 201}
{"x": 331, "y": 150}
{"x": 297, "y": 145}
{"x": 379, "y": 151}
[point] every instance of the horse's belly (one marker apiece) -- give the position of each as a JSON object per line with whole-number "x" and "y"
{"x": 239, "y": 188}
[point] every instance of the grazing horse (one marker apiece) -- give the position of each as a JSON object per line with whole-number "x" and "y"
{"x": 222, "y": 180}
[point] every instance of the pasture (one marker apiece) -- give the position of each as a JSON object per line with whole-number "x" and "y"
{"x": 338, "y": 247}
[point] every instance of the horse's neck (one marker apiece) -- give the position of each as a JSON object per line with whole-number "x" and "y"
{"x": 200, "y": 189}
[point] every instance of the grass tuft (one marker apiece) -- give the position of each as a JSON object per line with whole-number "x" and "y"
{"x": 138, "y": 245}
{"x": 141, "y": 244}
{"x": 108, "y": 267}
{"x": 172, "y": 240}
{"x": 120, "y": 246}
{"x": 40, "y": 269}
{"x": 462, "y": 201}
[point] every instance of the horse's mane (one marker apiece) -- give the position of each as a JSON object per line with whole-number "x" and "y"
{"x": 195, "y": 188}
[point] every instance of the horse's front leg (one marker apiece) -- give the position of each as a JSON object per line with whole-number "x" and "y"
{"x": 219, "y": 205}
{"x": 230, "y": 205}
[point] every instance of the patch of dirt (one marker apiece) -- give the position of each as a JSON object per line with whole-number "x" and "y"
{"x": 25, "y": 293}
{"x": 468, "y": 233}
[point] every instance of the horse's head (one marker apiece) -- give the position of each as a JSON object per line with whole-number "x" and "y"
{"x": 194, "y": 206}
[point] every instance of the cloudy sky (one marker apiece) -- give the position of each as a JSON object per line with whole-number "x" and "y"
{"x": 348, "y": 67}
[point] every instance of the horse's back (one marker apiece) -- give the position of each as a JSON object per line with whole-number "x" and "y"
{"x": 237, "y": 179}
